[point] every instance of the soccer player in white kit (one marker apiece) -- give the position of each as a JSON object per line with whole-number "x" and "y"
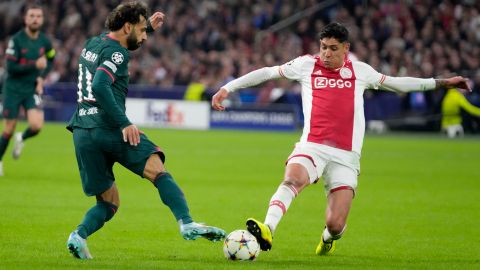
{"x": 334, "y": 127}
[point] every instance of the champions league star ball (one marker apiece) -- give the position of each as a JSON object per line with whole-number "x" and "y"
{"x": 240, "y": 245}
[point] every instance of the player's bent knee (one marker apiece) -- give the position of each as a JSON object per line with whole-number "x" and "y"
{"x": 35, "y": 125}
{"x": 153, "y": 175}
{"x": 153, "y": 168}
{"x": 295, "y": 183}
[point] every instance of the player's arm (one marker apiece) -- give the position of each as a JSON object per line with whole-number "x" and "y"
{"x": 103, "y": 93}
{"x": 467, "y": 106}
{"x": 102, "y": 90}
{"x": 253, "y": 78}
{"x": 48, "y": 59}
{"x": 292, "y": 70}
{"x": 155, "y": 21}
{"x": 377, "y": 80}
{"x": 49, "y": 55}
{"x": 409, "y": 84}
{"x": 406, "y": 84}
{"x": 14, "y": 67}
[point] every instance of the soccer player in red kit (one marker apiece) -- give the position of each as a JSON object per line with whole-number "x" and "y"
{"x": 334, "y": 127}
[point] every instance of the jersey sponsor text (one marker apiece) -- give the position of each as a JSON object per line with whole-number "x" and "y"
{"x": 89, "y": 56}
{"x": 90, "y": 111}
{"x": 322, "y": 82}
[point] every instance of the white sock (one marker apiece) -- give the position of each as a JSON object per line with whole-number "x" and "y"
{"x": 279, "y": 205}
{"x": 328, "y": 237}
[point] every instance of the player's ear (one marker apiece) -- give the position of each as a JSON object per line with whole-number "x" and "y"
{"x": 347, "y": 46}
{"x": 127, "y": 28}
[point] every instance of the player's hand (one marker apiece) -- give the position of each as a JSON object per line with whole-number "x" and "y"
{"x": 131, "y": 134}
{"x": 41, "y": 62}
{"x": 218, "y": 98}
{"x": 458, "y": 82}
{"x": 39, "y": 86}
{"x": 156, "y": 20}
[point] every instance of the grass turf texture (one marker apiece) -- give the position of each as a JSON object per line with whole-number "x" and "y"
{"x": 416, "y": 207}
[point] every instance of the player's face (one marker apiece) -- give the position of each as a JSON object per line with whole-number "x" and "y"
{"x": 137, "y": 35}
{"x": 34, "y": 19}
{"x": 333, "y": 52}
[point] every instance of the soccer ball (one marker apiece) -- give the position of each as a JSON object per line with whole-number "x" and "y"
{"x": 241, "y": 245}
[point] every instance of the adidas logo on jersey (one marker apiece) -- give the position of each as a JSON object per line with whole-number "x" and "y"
{"x": 317, "y": 73}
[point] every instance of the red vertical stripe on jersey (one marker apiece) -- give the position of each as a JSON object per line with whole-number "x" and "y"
{"x": 382, "y": 79}
{"x": 280, "y": 71}
{"x": 333, "y": 100}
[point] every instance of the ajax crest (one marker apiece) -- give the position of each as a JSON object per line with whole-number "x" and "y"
{"x": 345, "y": 73}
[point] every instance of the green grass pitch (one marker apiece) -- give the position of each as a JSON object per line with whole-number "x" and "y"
{"x": 417, "y": 205}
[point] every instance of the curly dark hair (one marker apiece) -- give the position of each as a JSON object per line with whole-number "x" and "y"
{"x": 334, "y": 30}
{"x": 127, "y": 12}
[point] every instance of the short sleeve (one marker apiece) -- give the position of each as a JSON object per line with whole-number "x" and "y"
{"x": 293, "y": 70}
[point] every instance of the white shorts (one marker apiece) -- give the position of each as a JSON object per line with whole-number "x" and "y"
{"x": 454, "y": 131}
{"x": 339, "y": 168}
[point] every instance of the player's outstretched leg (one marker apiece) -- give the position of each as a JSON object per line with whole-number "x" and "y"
{"x": 94, "y": 219}
{"x": 78, "y": 246}
{"x": 327, "y": 241}
{"x": 262, "y": 232}
{"x": 172, "y": 196}
{"x": 194, "y": 230}
{"x": 17, "y": 145}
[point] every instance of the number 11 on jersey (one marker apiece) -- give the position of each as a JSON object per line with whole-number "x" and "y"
{"x": 84, "y": 80}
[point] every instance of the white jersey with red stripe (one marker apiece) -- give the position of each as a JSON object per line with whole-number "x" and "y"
{"x": 332, "y": 100}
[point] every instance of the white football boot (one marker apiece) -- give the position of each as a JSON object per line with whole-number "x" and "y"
{"x": 17, "y": 145}
{"x": 78, "y": 246}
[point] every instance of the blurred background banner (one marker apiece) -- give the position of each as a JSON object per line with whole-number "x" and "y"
{"x": 168, "y": 113}
{"x": 267, "y": 118}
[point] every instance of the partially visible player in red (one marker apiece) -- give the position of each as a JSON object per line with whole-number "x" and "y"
{"x": 334, "y": 127}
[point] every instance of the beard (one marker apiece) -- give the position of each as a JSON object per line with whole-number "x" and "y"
{"x": 132, "y": 42}
{"x": 33, "y": 28}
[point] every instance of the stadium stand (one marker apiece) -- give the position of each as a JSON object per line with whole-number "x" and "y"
{"x": 211, "y": 42}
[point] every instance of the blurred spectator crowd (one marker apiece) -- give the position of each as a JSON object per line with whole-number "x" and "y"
{"x": 211, "y": 42}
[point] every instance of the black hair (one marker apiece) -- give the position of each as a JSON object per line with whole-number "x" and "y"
{"x": 126, "y": 13}
{"x": 334, "y": 30}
